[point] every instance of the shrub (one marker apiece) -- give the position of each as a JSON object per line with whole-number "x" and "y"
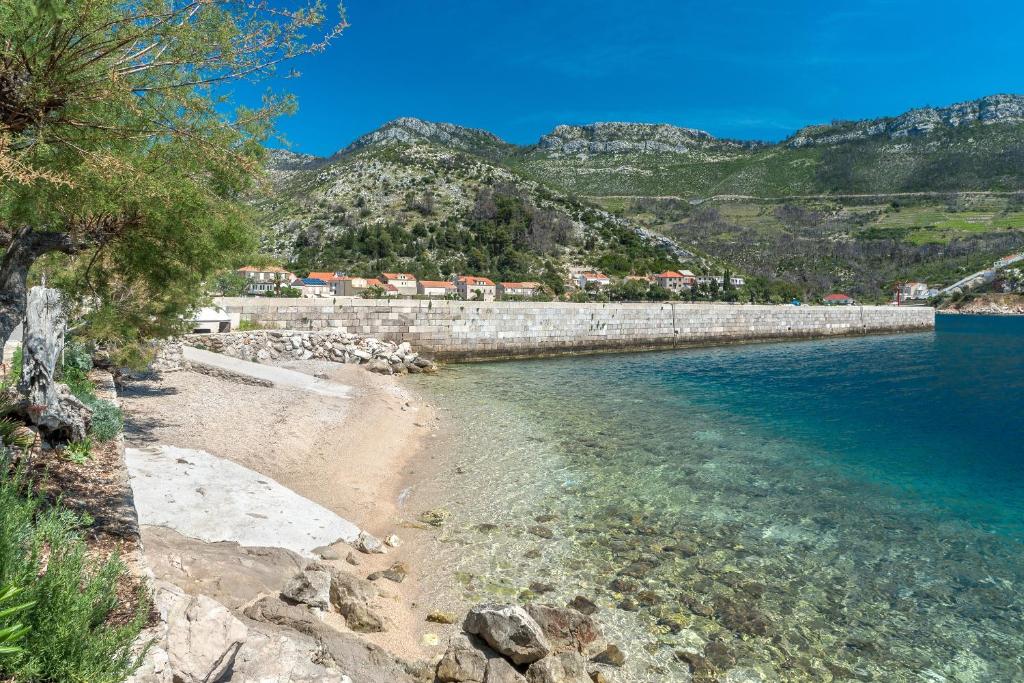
{"x": 70, "y": 637}
{"x": 12, "y": 630}
{"x": 107, "y": 419}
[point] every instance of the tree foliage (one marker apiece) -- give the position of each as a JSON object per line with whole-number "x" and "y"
{"x": 119, "y": 154}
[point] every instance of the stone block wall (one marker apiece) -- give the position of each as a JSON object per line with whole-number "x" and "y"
{"x": 469, "y": 330}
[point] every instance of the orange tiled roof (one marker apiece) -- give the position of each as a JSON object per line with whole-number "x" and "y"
{"x": 474, "y": 280}
{"x": 669, "y": 273}
{"x": 520, "y": 285}
{"x": 399, "y": 276}
{"x": 594, "y": 276}
{"x": 437, "y": 283}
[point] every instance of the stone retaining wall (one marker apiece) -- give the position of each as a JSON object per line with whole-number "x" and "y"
{"x": 467, "y": 330}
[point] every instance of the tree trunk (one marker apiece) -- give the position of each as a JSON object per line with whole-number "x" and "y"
{"x": 22, "y": 249}
{"x": 50, "y": 406}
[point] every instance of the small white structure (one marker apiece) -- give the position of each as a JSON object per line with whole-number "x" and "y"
{"x": 211, "y": 319}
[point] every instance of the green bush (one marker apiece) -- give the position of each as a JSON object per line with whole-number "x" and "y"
{"x": 107, "y": 419}
{"x": 69, "y": 637}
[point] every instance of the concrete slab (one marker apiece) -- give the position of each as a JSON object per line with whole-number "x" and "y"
{"x": 213, "y": 499}
{"x": 281, "y": 377}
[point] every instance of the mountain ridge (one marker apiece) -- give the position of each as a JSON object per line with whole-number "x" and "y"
{"x": 990, "y": 109}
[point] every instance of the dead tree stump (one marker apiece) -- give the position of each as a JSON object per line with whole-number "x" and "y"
{"x": 49, "y": 405}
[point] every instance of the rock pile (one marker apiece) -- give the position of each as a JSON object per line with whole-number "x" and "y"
{"x": 531, "y": 644}
{"x": 263, "y": 346}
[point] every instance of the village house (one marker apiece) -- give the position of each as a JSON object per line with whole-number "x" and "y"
{"x": 838, "y": 299}
{"x": 387, "y": 288}
{"x": 405, "y": 283}
{"x": 600, "y": 280}
{"x": 672, "y": 280}
{"x": 737, "y": 281}
{"x": 265, "y": 279}
{"x": 435, "y": 288}
{"x": 705, "y": 280}
{"x": 523, "y": 289}
{"x": 914, "y": 290}
{"x": 345, "y": 285}
{"x": 325, "y": 276}
{"x": 472, "y": 287}
{"x": 311, "y": 287}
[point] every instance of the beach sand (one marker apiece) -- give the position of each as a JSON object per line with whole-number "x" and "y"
{"x": 355, "y": 456}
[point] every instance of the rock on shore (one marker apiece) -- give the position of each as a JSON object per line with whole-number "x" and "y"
{"x": 531, "y": 644}
{"x": 265, "y": 346}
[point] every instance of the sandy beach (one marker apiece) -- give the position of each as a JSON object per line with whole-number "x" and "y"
{"x": 354, "y": 455}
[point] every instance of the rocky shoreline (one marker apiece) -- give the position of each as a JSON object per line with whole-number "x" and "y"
{"x": 270, "y": 346}
{"x": 988, "y": 304}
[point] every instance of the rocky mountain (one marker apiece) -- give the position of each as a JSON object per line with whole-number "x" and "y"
{"x": 410, "y": 130}
{"x": 825, "y": 208}
{"x": 916, "y": 122}
{"x": 422, "y": 197}
{"x": 625, "y": 138}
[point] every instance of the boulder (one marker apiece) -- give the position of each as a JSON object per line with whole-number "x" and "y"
{"x": 276, "y": 658}
{"x": 351, "y": 596}
{"x": 568, "y": 630}
{"x": 364, "y": 662}
{"x": 203, "y": 637}
{"x": 565, "y": 667}
{"x": 510, "y": 630}
{"x": 500, "y": 671}
{"x": 311, "y": 588}
{"x": 462, "y": 662}
{"x": 380, "y": 366}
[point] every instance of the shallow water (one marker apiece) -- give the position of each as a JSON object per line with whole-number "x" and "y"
{"x": 850, "y": 509}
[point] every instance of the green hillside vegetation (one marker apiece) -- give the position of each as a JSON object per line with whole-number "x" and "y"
{"x": 930, "y": 195}
{"x": 821, "y": 246}
{"x": 434, "y": 212}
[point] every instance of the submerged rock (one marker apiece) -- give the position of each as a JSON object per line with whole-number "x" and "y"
{"x": 568, "y": 630}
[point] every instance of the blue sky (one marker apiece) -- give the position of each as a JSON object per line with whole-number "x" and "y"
{"x": 742, "y": 69}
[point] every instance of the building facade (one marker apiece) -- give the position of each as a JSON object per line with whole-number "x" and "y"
{"x": 473, "y": 287}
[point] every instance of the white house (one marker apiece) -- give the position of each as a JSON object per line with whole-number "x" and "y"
{"x": 435, "y": 288}
{"x": 266, "y": 279}
{"x": 475, "y": 287}
{"x": 405, "y": 283}
{"x": 523, "y": 289}
{"x": 311, "y": 287}
{"x": 672, "y": 280}
{"x": 591, "y": 277}
{"x": 914, "y": 290}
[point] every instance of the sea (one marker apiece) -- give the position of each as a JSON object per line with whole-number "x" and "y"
{"x": 847, "y": 509}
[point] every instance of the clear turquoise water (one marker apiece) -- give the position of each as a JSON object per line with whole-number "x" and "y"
{"x": 849, "y": 509}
